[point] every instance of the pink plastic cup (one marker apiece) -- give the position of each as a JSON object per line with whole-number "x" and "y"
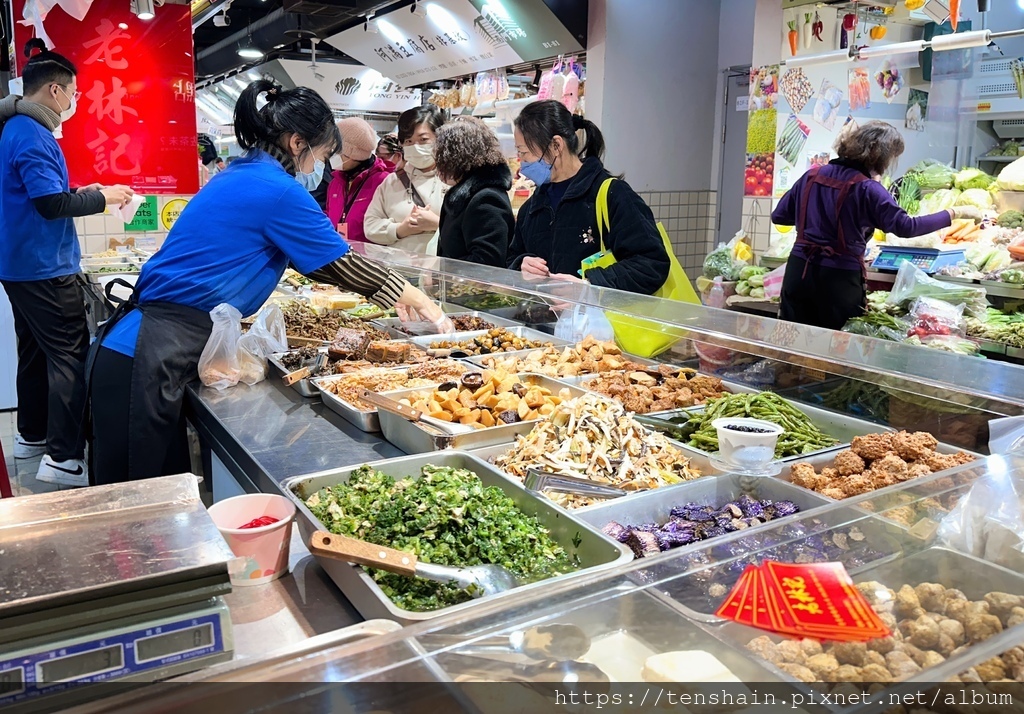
{"x": 265, "y": 549}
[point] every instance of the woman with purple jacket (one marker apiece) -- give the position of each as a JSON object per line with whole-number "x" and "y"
{"x": 836, "y": 209}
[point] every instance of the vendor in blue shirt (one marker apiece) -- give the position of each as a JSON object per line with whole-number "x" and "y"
{"x": 39, "y": 260}
{"x": 231, "y": 245}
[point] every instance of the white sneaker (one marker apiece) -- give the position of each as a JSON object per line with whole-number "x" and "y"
{"x": 28, "y": 449}
{"x": 72, "y": 472}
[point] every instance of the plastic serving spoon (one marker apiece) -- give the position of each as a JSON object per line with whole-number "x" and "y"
{"x": 477, "y": 580}
{"x": 414, "y": 415}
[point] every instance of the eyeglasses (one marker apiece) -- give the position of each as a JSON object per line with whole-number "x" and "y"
{"x": 76, "y": 96}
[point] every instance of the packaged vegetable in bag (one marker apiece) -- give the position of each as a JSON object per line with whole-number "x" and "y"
{"x": 218, "y": 365}
{"x": 935, "y": 317}
{"x": 988, "y": 523}
{"x": 912, "y": 283}
{"x": 933, "y": 174}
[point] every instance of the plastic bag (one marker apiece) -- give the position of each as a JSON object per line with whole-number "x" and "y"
{"x": 912, "y": 283}
{"x": 988, "y": 523}
{"x": 266, "y": 337}
{"x": 773, "y": 282}
{"x": 218, "y": 365}
{"x": 935, "y": 317}
{"x": 582, "y": 321}
{"x": 781, "y": 245}
{"x": 722, "y": 261}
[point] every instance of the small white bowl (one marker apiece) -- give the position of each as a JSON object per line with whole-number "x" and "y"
{"x": 748, "y": 450}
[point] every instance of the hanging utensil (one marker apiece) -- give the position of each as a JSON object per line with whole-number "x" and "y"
{"x": 555, "y": 642}
{"x": 477, "y": 580}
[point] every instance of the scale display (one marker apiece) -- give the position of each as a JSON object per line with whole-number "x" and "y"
{"x": 115, "y": 654}
{"x": 926, "y": 259}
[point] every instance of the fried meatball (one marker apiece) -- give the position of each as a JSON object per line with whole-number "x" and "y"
{"x": 911, "y": 447}
{"x": 980, "y": 627}
{"x": 939, "y": 462}
{"x": 1002, "y": 604}
{"x": 848, "y": 673}
{"x": 791, "y": 651}
{"x": 764, "y": 648}
{"x": 876, "y": 672}
{"x": 962, "y": 458}
{"x": 908, "y": 605}
{"x": 882, "y": 645}
{"x": 824, "y": 666}
{"x": 811, "y": 647}
{"x": 931, "y": 659}
{"x": 854, "y": 653}
{"x": 932, "y": 597}
{"x": 873, "y": 657}
{"x": 918, "y": 470}
{"x": 946, "y": 644}
{"x": 991, "y": 669}
{"x": 798, "y": 671}
{"x": 924, "y": 632}
{"x": 855, "y": 485}
{"x": 872, "y": 446}
{"x": 1015, "y": 617}
{"x": 904, "y": 514}
{"x": 803, "y": 475}
{"x": 848, "y": 463}
{"x": 963, "y": 610}
{"x": 900, "y": 665}
{"x": 954, "y": 630}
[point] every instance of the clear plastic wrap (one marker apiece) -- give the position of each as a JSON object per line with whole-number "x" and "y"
{"x": 912, "y": 283}
{"x": 267, "y": 336}
{"x": 936, "y": 317}
{"x": 988, "y": 523}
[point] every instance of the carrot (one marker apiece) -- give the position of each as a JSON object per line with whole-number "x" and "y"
{"x": 793, "y": 37}
{"x": 954, "y": 13}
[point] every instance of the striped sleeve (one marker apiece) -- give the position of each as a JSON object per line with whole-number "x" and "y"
{"x": 379, "y": 285}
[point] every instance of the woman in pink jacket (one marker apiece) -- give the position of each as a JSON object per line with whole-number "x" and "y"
{"x": 357, "y": 174}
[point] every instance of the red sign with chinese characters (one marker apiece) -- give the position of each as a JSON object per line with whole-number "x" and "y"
{"x": 136, "y": 118}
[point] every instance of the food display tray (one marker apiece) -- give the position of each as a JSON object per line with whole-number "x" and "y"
{"x": 625, "y": 626}
{"x": 519, "y": 331}
{"x": 304, "y": 386}
{"x": 839, "y": 426}
{"x": 654, "y": 506}
{"x": 416, "y": 438}
{"x": 594, "y": 550}
{"x": 96, "y": 278}
{"x": 393, "y": 324}
{"x": 972, "y": 576}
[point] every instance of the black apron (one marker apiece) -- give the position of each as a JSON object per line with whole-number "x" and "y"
{"x": 170, "y": 342}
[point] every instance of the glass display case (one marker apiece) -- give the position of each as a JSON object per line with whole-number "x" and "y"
{"x": 928, "y": 525}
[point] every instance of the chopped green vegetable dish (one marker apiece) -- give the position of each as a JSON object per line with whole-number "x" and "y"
{"x": 445, "y": 517}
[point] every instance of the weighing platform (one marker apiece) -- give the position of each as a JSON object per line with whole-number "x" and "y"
{"x": 121, "y": 582}
{"x": 927, "y": 259}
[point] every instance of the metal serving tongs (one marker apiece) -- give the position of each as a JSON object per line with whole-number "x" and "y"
{"x": 542, "y": 643}
{"x": 537, "y": 480}
{"x": 414, "y": 415}
{"x": 300, "y": 374}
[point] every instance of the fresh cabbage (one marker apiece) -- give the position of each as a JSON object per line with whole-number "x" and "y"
{"x": 941, "y": 200}
{"x": 935, "y": 176}
{"x": 978, "y": 197}
{"x": 972, "y": 178}
{"x": 1011, "y": 178}
{"x": 997, "y": 261}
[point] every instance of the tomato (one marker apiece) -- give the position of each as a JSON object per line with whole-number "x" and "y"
{"x": 761, "y": 190}
{"x": 751, "y": 183}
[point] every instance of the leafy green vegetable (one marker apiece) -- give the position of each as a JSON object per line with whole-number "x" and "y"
{"x": 446, "y": 517}
{"x": 750, "y": 271}
{"x": 973, "y": 178}
{"x": 978, "y": 197}
{"x": 719, "y": 263}
{"x": 935, "y": 175}
{"x": 1010, "y": 219}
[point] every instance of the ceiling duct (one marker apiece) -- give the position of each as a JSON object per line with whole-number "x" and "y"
{"x": 334, "y": 9}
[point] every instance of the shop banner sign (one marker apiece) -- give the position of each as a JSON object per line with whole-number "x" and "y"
{"x": 345, "y": 87}
{"x": 146, "y": 218}
{"x": 457, "y": 37}
{"x": 136, "y": 118}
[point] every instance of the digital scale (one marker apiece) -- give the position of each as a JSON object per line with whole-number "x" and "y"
{"x": 112, "y": 583}
{"x": 927, "y": 259}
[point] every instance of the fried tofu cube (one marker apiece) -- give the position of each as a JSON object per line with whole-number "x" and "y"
{"x": 486, "y": 418}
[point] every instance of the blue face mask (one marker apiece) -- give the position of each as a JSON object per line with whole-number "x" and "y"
{"x": 310, "y": 182}
{"x": 537, "y": 171}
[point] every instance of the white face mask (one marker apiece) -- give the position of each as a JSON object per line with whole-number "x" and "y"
{"x": 70, "y": 111}
{"x": 420, "y": 156}
{"x": 336, "y": 162}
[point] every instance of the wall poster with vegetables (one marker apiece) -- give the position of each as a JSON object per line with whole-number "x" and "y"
{"x": 761, "y": 130}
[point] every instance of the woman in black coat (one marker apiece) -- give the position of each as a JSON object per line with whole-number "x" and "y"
{"x": 557, "y": 227}
{"x": 476, "y": 218}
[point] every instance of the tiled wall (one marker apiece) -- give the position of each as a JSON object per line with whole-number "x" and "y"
{"x": 691, "y": 219}
{"x": 95, "y": 232}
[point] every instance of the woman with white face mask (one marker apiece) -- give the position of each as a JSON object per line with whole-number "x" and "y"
{"x": 231, "y": 244}
{"x": 404, "y": 211}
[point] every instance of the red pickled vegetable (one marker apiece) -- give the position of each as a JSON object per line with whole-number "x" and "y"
{"x": 260, "y": 522}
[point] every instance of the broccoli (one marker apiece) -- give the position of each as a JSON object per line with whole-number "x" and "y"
{"x": 1010, "y": 219}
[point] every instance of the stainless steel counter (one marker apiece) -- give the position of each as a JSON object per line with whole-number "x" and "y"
{"x": 264, "y": 435}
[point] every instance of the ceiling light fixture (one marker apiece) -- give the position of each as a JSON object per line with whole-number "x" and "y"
{"x": 418, "y": 10}
{"x": 143, "y": 9}
{"x": 389, "y": 30}
{"x": 249, "y": 50}
{"x": 370, "y": 26}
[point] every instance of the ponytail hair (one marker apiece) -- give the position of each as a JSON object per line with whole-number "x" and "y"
{"x": 266, "y": 113}
{"x": 541, "y": 122}
{"x": 44, "y": 68}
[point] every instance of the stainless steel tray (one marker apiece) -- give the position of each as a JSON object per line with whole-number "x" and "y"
{"x": 524, "y": 332}
{"x": 97, "y": 278}
{"x": 595, "y": 551}
{"x": 365, "y": 420}
{"x": 838, "y": 426}
{"x": 523, "y": 354}
{"x": 395, "y": 324}
{"x": 303, "y": 386}
{"x": 654, "y": 506}
{"x": 697, "y": 460}
{"x": 415, "y": 438}
{"x": 972, "y": 576}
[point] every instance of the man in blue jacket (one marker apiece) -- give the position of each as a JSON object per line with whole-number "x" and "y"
{"x": 39, "y": 261}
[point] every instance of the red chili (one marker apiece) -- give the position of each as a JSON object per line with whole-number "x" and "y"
{"x": 260, "y": 522}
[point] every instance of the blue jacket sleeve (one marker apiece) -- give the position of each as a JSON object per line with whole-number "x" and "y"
{"x": 299, "y": 229}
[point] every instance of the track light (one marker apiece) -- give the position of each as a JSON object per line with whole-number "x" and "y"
{"x": 418, "y": 10}
{"x": 249, "y": 50}
{"x": 143, "y": 9}
{"x": 371, "y": 26}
